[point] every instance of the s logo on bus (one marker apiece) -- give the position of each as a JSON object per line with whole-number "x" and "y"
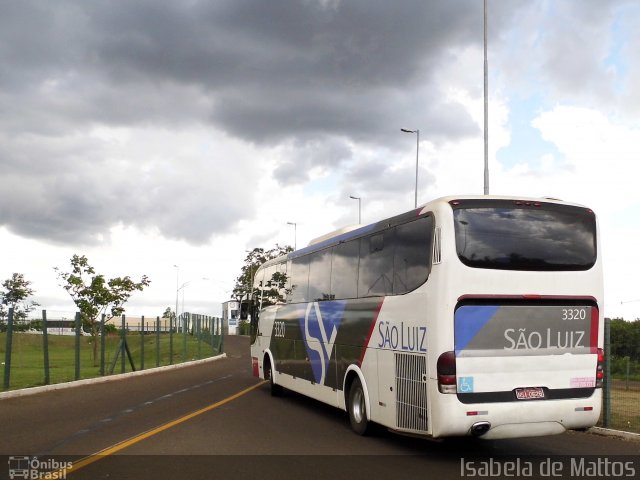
{"x": 320, "y": 330}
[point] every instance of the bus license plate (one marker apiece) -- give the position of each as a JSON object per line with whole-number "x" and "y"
{"x": 530, "y": 393}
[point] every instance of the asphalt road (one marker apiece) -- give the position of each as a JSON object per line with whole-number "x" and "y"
{"x": 187, "y": 424}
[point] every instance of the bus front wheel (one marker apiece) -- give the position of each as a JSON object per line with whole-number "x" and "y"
{"x": 357, "y": 408}
{"x": 276, "y": 390}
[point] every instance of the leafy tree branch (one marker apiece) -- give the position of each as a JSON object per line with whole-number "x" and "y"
{"x": 94, "y": 295}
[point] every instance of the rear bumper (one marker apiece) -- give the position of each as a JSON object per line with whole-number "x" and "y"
{"x": 514, "y": 419}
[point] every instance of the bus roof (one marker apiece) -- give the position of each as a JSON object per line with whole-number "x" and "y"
{"x": 354, "y": 231}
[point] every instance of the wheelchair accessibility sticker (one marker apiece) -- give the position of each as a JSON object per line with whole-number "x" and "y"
{"x": 465, "y": 385}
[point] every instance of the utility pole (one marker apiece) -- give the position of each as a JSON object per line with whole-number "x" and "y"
{"x": 486, "y": 107}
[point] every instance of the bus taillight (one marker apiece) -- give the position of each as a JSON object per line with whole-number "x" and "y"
{"x": 447, "y": 372}
{"x": 600, "y": 369}
{"x": 255, "y": 367}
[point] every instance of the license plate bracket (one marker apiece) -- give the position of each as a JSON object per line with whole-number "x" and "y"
{"x": 530, "y": 393}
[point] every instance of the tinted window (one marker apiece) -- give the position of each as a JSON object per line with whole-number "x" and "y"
{"x": 547, "y": 237}
{"x": 261, "y": 284}
{"x": 412, "y": 255}
{"x": 281, "y": 280}
{"x": 344, "y": 271}
{"x": 320, "y": 275}
{"x": 257, "y": 280}
{"x": 274, "y": 284}
{"x": 376, "y": 264}
{"x": 299, "y": 280}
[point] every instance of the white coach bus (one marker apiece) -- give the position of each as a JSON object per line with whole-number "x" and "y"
{"x": 467, "y": 316}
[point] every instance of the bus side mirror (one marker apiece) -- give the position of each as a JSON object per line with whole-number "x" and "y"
{"x": 253, "y": 326}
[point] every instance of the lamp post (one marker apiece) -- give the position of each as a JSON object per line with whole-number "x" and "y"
{"x": 182, "y": 287}
{"x": 177, "y": 291}
{"x": 486, "y": 107}
{"x": 176, "y": 317}
{"x": 295, "y": 234}
{"x": 359, "y": 207}
{"x": 417, "y": 132}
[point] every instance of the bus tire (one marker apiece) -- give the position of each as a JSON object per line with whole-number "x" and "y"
{"x": 357, "y": 409}
{"x": 276, "y": 390}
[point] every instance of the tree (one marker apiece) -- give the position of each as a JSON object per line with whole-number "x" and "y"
{"x": 625, "y": 338}
{"x": 256, "y": 257}
{"x": 15, "y": 294}
{"x": 168, "y": 313}
{"x": 95, "y": 296}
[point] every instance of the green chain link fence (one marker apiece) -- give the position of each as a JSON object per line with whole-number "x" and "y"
{"x": 621, "y": 405}
{"x": 57, "y": 348}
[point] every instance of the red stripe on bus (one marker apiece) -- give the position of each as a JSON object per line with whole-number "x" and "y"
{"x": 525, "y": 297}
{"x": 595, "y": 317}
{"x": 370, "y": 332}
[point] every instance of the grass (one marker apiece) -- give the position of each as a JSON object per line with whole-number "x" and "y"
{"x": 27, "y": 360}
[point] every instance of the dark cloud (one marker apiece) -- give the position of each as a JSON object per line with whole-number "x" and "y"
{"x": 269, "y": 70}
{"x": 74, "y": 195}
{"x": 319, "y": 77}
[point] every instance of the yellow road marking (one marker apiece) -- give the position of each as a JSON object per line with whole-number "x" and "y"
{"x": 154, "y": 431}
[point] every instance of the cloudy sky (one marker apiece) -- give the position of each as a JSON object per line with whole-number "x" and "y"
{"x": 147, "y": 134}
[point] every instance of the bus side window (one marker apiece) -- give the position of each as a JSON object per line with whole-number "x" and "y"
{"x": 267, "y": 290}
{"x": 412, "y": 256}
{"x": 376, "y": 264}
{"x": 320, "y": 275}
{"x": 283, "y": 284}
{"x": 344, "y": 269}
{"x": 299, "y": 280}
{"x": 257, "y": 287}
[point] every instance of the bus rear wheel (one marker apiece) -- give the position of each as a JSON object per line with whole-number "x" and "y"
{"x": 357, "y": 408}
{"x": 276, "y": 390}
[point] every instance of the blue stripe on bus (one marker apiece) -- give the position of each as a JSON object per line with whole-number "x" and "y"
{"x": 331, "y": 316}
{"x": 333, "y": 241}
{"x": 469, "y": 320}
{"x": 358, "y": 232}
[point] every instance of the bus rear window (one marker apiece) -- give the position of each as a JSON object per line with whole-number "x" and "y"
{"x": 507, "y": 236}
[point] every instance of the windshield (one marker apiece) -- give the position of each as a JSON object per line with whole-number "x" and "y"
{"x": 511, "y": 235}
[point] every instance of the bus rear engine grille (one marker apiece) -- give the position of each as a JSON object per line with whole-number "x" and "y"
{"x": 411, "y": 392}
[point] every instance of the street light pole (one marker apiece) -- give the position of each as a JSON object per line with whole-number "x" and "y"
{"x": 182, "y": 287}
{"x": 417, "y": 132}
{"x": 359, "y": 208}
{"x": 177, "y": 291}
{"x": 295, "y": 234}
{"x": 486, "y": 107}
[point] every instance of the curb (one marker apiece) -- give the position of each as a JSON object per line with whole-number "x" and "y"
{"x": 23, "y": 392}
{"x": 608, "y": 432}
